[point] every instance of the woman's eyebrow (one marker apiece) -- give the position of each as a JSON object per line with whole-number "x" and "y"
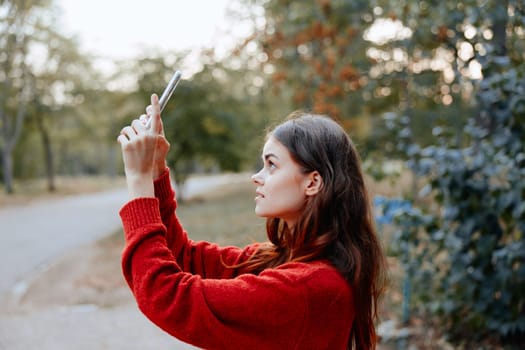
{"x": 269, "y": 155}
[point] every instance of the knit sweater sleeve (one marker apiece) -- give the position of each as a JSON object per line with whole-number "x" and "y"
{"x": 203, "y": 258}
{"x": 245, "y": 312}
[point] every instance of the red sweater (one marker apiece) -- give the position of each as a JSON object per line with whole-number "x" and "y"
{"x": 184, "y": 288}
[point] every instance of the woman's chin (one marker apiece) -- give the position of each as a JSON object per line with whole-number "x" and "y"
{"x": 261, "y": 213}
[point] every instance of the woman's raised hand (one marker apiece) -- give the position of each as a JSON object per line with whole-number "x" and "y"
{"x": 163, "y": 146}
{"x": 144, "y": 151}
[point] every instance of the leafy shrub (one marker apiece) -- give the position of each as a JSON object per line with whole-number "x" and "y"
{"x": 467, "y": 248}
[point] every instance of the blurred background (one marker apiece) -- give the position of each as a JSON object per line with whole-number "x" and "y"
{"x": 432, "y": 93}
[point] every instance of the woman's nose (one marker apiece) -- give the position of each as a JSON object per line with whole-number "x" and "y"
{"x": 257, "y": 178}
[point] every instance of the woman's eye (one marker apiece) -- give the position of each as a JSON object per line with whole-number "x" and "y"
{"x": 271, "y": 165}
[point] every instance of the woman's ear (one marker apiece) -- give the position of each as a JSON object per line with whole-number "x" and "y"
{"x": 314, "y": 183}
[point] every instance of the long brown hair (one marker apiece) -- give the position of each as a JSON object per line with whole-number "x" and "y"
{"x": 336, "y": 224}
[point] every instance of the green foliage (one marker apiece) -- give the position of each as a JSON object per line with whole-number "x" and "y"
{"x": 17, "y": 19}
{"x": 206, "y": 124}
{"x": 468, "y": 245}
{"x": 58, "y": 115}
{"x": 46, "y": 107}
{"x": 315, "y": 55}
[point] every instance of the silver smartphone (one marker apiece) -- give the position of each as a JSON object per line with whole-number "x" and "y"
{"x": 166, "y": 94}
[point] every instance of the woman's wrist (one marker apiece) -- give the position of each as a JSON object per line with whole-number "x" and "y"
{"x": 140, "y": 186}
{"x": 159, "y": 170}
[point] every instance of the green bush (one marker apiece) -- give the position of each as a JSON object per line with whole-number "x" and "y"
{"x": 467, "y": 247}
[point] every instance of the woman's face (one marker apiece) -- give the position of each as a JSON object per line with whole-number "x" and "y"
{"x": 281, "y": 186}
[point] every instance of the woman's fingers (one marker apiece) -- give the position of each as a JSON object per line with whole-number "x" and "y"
{"x": 128, "y": 132}
{"x": 154, "y": 113}
{"x": 138, "y": 125}
{"x": 150, "y": 110}
{"x": 131, "y": 132}
{"x": 123, "y": 140}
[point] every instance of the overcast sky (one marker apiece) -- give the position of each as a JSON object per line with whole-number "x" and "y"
{"x": 120, "y": 29}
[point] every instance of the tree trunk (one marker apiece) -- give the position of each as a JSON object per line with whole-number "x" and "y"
{"x": 112, "y": 161}
{"x": 48, "y": 154}
{"x": 499, "y": 28}
{"x": 50, "y": 168}
{"x": 7, "y": 163}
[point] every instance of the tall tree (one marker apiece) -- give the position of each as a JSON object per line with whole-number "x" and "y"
{"x": 60, "y": 82}
{"x": 46, "y": 80}
{"x": 19, "y": 19}
{"x": 314, "y": 52}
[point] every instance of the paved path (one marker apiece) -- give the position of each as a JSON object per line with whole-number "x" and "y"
{"x": 84, "y": 327}
{"x": 34, "y": 235}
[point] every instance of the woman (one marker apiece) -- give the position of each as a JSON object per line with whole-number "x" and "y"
{"x": 314, "y": 285}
